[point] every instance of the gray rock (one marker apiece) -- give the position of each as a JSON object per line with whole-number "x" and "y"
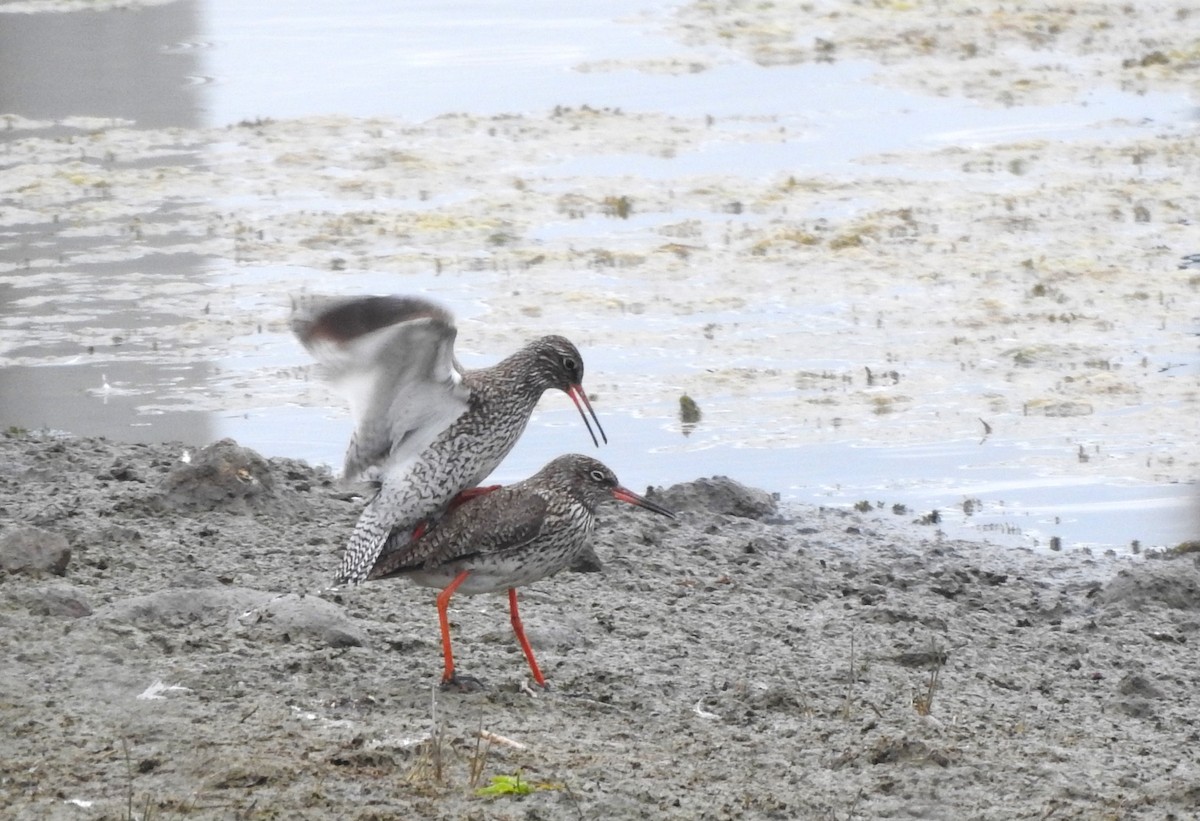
{"x": 718, "y": 494}
{"x": 283, "y": 617}
{"x": 1136, "y": 684}
{"x": 55, "y": 600}
{"x": 255, "y": 613}
{"x": 1173, "y": 584}
{"x": 32, "y": 551}
{"x": 180, "y": 606}
{"x": 225, "y": 476}
{"x": 1135, "y": 707}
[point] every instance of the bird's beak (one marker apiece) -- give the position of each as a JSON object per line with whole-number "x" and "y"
{"x": 623, "y": 495}
{"x": 581, "y": 401}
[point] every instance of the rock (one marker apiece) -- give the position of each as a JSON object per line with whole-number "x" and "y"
{"x": 181, "y": 606}
{"x": 258, "y": 613}
{"x": 1174, "y": 584}
{"x": 718, "y": 494}
{"x": 337, "y": 638}
{"x": 1136, "y": 684}
{"x": 57, "y": 601}
{"x": 289, "y": 615}
{"x": 888, "y": 750}
{"x": 1135, "y": 707}
{"x": 224, "y": 476}
{"x": 34, "y": 552}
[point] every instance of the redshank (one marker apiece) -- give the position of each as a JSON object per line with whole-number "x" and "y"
{"x": 426, "y": 429}
{"x": 508, "y": 538}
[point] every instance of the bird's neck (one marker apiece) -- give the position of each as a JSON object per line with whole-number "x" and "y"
{"x": 516, "y": 374}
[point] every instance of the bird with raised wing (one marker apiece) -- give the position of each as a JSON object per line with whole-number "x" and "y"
{"x": 426, "y": 428}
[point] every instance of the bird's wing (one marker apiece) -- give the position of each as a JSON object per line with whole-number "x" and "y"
{"x": 505, "y": 519}
{"x": 393, "y": 358}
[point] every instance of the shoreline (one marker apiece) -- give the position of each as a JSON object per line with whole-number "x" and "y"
{"x": 997, "y": 261}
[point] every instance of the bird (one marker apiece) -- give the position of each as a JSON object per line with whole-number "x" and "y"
{"x": 426, "y": 428}
{"x": 506, "y": 539}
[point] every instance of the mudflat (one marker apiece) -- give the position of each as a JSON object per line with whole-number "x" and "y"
{"x": 171, "y": 651}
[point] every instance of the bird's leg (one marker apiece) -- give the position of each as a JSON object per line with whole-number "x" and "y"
{"x": 449, "y": 680}
{"x": 520, "y": 631}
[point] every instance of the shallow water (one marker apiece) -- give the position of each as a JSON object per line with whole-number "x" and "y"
{"x": 216, "y": 63}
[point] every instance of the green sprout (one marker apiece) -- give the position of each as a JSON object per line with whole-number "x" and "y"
{"x": 511, "y": 785}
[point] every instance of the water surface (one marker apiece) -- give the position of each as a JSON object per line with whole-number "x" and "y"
{"x": 215, "y": 63}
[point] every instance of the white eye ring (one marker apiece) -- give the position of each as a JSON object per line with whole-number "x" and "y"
{"x": 598, "y": 475}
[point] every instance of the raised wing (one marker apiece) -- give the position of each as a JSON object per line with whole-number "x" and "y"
{"x": 393, "y": 358}
{"x": 505, "y": 519}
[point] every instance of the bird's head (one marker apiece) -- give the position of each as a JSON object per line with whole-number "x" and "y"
{"x": 559, "y": 365}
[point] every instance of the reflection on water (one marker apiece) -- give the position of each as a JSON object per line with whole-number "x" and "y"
{"x": 420, "y": 59}
{"x": 80, "y": 335}
{"x": 132, "y": 64}
{"x": 101, "y": 400}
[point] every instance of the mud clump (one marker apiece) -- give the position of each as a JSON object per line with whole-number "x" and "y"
{"x": 718, "y": 494}
{"x": 31, "y": 551}
{"x": 224, "y": 476}
{"x": 1174, "y": 585}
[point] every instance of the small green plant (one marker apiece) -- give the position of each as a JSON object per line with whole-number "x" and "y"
{"x": 512, "y": 785}
{"x": 506, "y": 785}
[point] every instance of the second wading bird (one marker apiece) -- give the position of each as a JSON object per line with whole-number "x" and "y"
{"x": 426, "y": 428}
{"x": 507, "y": 538}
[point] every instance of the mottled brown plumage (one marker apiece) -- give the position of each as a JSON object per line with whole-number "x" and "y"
{"x": 508, "y": 538}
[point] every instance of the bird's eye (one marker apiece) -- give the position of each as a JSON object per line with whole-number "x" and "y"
{"x": 570, "y": 364}
{"x": 598, "y": 475}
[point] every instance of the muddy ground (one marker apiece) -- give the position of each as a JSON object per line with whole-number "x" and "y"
{"x": 170, "y": 653}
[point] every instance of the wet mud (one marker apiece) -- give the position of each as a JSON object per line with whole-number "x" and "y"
{"x": 172, "y": 651}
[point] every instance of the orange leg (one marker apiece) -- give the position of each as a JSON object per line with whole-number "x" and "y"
{"x": 443, "y": 602}
{"x": 520, "y": 631}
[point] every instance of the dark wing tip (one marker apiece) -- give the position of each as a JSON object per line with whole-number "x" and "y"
{"x": 342, "y": 320}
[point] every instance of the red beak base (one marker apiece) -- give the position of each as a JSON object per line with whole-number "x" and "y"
{"x": 624, "y": 495}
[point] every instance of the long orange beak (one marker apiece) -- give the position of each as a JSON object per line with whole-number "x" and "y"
{"x": 624, "y": 495}
{"x": 581, "y": 401}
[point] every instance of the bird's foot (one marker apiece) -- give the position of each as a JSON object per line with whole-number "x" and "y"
{"x": 462, "y": 684}
{"x": 533, "y": 689}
